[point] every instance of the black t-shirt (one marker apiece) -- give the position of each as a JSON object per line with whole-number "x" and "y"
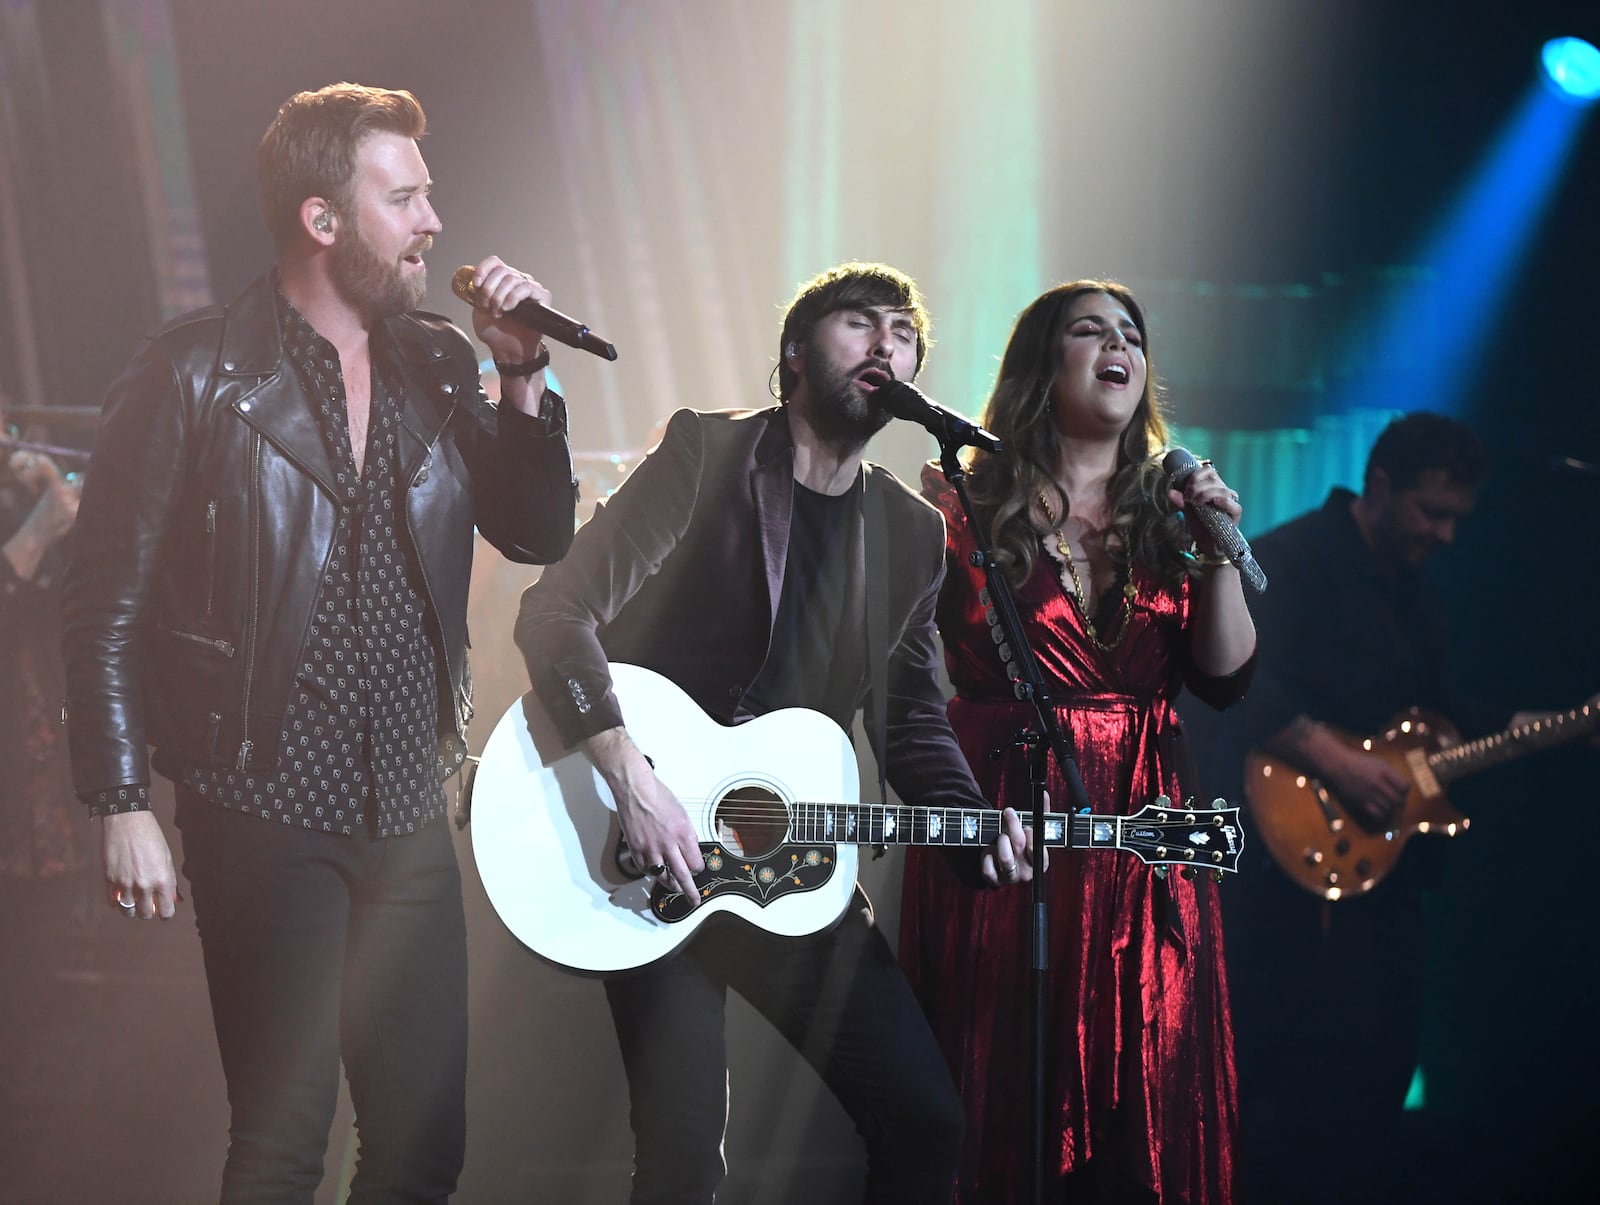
{"x": 801, "y": 661}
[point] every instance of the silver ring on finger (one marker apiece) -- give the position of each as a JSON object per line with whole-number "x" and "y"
{"x": 126, "y": 905}
{"x": 657, "y": 870}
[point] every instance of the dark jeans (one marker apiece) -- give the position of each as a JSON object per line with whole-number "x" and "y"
{"x": 840, "y": 1000}
{"x": 319, "y": 947}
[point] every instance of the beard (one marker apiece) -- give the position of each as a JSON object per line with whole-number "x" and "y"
{"x": 842, "y": 409}
{"x": 378, "y": 287}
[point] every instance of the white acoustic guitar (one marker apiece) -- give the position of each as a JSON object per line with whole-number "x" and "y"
{"x": 774, "y": 802}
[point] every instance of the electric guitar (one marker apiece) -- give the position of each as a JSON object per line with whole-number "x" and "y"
{"x": 775, "y": 804}
{"x": 1321, "y": 846}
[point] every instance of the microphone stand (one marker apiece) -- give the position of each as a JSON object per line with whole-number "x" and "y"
{"x": 1028, "y": 683}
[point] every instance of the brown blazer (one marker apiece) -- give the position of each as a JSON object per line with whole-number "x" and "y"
{"x": 681, "y": 571}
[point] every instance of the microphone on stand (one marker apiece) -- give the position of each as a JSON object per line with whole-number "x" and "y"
{"x": 904, "y": 400}
{"x": 552, "y": 323}
{"x": 1179, "y": 465}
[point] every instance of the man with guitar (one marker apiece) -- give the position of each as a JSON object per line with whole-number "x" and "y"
{"x": 1326, "y": 977}
{"x": 758, "y": 562}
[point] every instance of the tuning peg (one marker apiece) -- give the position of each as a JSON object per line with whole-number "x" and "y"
{"x": 1217, "y": 876}
{"x": 1188, "y": 873}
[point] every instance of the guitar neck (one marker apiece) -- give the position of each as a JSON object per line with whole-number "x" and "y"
{"x": 903, "y": 824}
{"x": 1458, "y": 761}
{"x": 1159, "y": 833}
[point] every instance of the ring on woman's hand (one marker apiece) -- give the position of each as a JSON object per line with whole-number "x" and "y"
{"x": 126, "y": 905}
{"x": 1008, "y": 870}
{"x": 657, "y": 870}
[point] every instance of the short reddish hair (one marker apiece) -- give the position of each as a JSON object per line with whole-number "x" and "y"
{"x": 310, "y": 148}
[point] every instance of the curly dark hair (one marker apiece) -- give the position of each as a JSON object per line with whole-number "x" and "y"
{"x": 854, "y": 285}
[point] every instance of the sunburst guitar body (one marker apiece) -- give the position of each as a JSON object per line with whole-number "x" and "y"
{"x": 1321, "y": 846}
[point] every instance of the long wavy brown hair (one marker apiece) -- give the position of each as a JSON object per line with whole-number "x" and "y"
{"x": 1021, "y": 414}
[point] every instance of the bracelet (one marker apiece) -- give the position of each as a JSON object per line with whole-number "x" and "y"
{"x": 1209, "y": 560}
{"x": 540, "y": 359}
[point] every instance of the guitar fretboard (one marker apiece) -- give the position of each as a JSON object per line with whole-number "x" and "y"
{"x": 1159, "y": 832}
{"x": 1471, "y": 756}
{"x": 901, "y": 824}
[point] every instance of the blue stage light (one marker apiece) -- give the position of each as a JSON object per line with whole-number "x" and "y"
{"x": 1573, "y": 67}
{"x": 1430, "y": 334}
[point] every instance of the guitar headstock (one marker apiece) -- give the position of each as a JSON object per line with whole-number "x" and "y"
{"x": 1163, "y": 833}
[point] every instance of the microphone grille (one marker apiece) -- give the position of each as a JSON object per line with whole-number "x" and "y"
{"x": 899, "y": 398}
{"x": 1178, "y": 464}
{"x": 461, "y": 284}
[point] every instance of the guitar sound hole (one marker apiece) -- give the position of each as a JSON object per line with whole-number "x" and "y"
{"x": 752, "y": 821}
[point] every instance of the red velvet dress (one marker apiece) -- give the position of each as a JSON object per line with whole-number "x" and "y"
{"x": 1141, "y": 1075}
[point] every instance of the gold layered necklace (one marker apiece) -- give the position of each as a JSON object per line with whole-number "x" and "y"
{"x": 1065, "y": 549}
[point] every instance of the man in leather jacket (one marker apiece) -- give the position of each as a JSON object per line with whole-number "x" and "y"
{"x": 269, "y": 589}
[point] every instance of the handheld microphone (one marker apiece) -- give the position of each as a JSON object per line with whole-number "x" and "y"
{"x": 904, "y": 400}
{"x": 1179, "y": 465}
{"x": 541, "y": 318}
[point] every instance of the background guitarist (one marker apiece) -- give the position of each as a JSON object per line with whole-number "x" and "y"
{"x": 734, "y": 560}
{"x": 1327, "y": 996}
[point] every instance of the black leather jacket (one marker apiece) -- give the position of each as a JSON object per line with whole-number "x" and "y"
{"x": 208, "y": 516}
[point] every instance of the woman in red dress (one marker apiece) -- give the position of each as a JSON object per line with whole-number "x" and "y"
{"x": 1140, "y": 1095}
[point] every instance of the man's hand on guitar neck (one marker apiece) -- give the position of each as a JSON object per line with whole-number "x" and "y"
{"x": 658, "y": 829}
{"x": 1365, "y": 785}
{"x": 1008, "y": 858}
